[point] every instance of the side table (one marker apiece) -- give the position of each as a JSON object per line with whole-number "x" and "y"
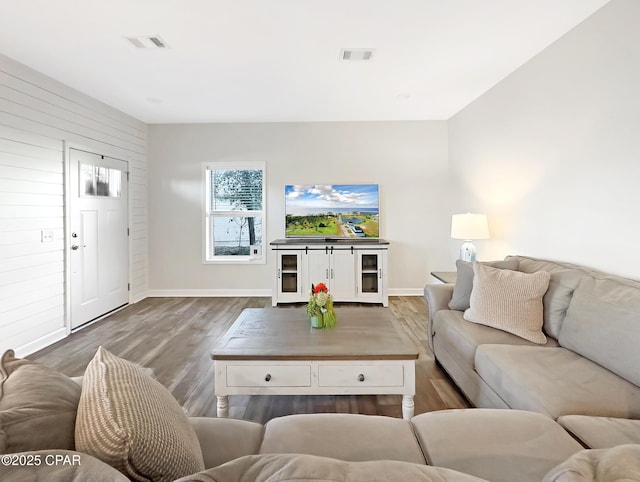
{"x": 445, "y": 276}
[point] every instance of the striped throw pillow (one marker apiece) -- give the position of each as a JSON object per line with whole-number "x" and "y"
{"x": 509, "y": 300}
{"x": 131, "y": 422}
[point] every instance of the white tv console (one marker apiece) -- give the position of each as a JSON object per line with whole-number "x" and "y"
{"x": 354, "y": 270}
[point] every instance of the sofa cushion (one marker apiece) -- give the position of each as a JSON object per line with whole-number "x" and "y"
{"x": 224, "y": 439}
{"x": 57, "y": 466}
{"x": 562, "y": 284}
{"x": 342, "y": 436}
{"x": 464, "y": 281}
{"x": 617, "y": 464}
{"x": 555, "y": 382}
{"x": 531, "y": 265}
{"x": 498, "y": 445}
{"x": 463, "y": 337}
{"x": 130, "y": 421}
{"x": 311, "y": 468}
{"x": 37, "y": 406}
{"x": 602, "y": 432}
{"x": 603, "y": 324}
{"x": 509, "y": 300}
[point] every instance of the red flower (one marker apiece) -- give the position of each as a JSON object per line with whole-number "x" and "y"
{"x": 320, "y": 288}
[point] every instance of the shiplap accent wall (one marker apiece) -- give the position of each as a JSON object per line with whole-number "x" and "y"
{"x": 38, "y": 115}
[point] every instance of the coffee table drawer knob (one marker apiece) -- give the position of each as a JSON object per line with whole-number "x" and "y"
{"x": 361, "y": 378}
{"x": 268, "y": 377}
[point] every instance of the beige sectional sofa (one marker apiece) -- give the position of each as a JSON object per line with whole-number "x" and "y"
{"x": 586, "y": 375}
{"x": 46, "y": 419}
{"x": 118, "y": 423}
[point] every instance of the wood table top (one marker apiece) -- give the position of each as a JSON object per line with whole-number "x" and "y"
{"x": 445, "y": 276}
{"x": 286, "y": 334}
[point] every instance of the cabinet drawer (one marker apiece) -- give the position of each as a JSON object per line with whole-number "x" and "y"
{"x": 361, "y": 375}
{"x": 268, "y": 376}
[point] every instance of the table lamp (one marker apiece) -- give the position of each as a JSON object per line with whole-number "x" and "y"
{"x": 469, "y": 226}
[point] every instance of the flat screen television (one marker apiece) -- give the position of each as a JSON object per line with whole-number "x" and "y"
{"x": 332, "y": 211}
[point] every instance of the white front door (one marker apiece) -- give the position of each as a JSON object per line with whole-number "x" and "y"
{"x": 99, "y": 254}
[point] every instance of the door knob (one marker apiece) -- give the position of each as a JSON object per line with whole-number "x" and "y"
{"x": 74, "y": 246}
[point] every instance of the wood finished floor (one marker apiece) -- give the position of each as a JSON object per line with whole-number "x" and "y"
{"x": 174, "y": 336}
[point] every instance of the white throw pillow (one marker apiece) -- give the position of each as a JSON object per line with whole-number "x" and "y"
{"x": 509, "y": 300}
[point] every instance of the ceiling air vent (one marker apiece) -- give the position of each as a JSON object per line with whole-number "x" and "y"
{"x": 356, "y": 54}
{"x": 148, "y": 42}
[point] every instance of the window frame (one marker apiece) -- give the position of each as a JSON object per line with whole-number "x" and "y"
{"x": 208, "y": 215}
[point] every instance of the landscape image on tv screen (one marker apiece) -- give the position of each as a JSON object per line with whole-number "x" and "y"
{"x": 332, "y": 211}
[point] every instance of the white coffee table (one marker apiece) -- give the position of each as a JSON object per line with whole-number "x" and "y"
{"x": 274, "y": 351}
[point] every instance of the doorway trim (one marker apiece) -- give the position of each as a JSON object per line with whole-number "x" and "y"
{"x": 100, "y": 151}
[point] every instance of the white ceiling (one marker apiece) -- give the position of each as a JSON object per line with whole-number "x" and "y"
{"x": 278, "y": 60}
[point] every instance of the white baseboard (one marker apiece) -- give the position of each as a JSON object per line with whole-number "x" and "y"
{"x": 245, "y": 293}
{"x": 40, "y": 343}
{"x": 406, "y": 291}
{"x": 139, "y": 297}
{"x": 219, "y": 293}
{"x": 206, "y": 293}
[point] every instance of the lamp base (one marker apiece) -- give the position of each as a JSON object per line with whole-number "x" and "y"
{"x": 468, "y": 251}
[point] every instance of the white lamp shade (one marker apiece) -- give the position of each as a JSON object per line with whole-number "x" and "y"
{"x": 469, "y": 226}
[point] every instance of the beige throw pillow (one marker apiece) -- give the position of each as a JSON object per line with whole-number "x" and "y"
{"x": 616, "y": 464}
{"x": 131, "y": 422}
{"x": 464, "y": 280}
{"x": 509, "y": 300}
{"x": 37, "y": 406}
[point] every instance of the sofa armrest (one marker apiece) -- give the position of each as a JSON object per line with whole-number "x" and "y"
{"x": 225, "y": 439}
{"x": 437, "y": 296}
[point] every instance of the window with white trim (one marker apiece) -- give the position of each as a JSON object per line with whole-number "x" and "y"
{"x": 234, "y": 211}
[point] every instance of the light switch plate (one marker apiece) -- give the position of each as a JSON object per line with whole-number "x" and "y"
{"x": 46, "y": 236}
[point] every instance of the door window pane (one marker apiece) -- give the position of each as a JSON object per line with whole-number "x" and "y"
{"x": 99, "y": 181}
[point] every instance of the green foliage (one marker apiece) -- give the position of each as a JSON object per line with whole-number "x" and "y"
{"x": 329, "y": 316}
{"x": 328, "y": 225}
{"x": 312, "y": 307}
{"x": 318, "y": 224}
{"x": 325, "y": 313}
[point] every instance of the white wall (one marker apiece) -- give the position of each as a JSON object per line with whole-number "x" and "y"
{"x": 37, "y": 115}
{"x": 552, "y": 153}
{"x": 407, "y": 159}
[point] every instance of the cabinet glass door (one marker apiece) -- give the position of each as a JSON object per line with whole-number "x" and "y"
{"x": 369, "y": 273}
{"x": 289, "y": 280}
{"x": 289, "y": 277}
